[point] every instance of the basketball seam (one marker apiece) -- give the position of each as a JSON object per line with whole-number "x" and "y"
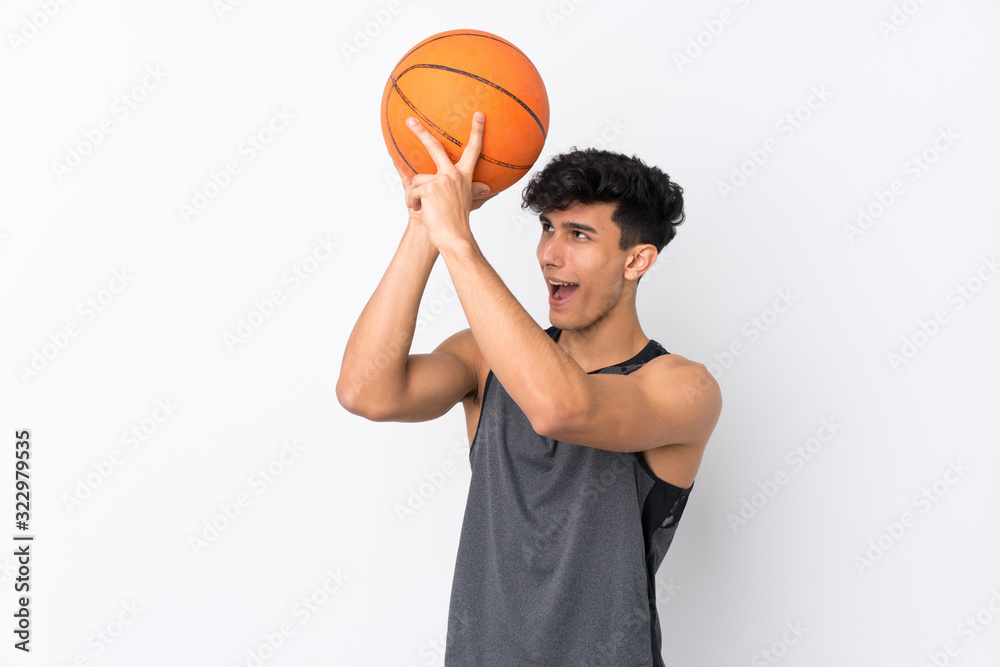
{"x": 480, "y": 79}
{"x": 450, "y": 138}
{"x": 392, "y": 136}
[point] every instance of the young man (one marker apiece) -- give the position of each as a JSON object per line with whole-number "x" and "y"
{"x": 585, "y": 437}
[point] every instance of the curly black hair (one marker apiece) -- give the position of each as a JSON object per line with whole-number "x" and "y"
{"x": 650, "y": 205}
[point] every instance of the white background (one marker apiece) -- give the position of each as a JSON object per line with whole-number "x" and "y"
{"x": 894, "y": 78}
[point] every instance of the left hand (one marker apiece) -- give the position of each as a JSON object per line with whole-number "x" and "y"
{"x": 446, "y": 198}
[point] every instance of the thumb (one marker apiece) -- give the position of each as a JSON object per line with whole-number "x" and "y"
{"x": 480, "y": 189}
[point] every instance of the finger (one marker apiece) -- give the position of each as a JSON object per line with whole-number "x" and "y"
{"x": 477, "y": 202}
{"x": 475, "y": 146}
{"x": 431, "y": 143}
{"x": 413, "y": 198}
{"x": 414, "y": 193}
{"x": 407, "y": 182}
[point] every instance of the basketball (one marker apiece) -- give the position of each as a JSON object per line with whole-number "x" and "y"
{"x": 449, "y": 76}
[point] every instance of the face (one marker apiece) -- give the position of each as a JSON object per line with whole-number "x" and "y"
{"x": 580, "y": 245}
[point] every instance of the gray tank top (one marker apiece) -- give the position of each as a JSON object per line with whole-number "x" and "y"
{"x": 559, "y": 546}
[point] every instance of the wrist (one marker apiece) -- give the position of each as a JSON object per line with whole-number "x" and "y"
{"x": 417, "y": 235}
{"x": 459, "y": 248}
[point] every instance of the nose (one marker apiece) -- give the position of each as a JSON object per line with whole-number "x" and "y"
{"x": 550, "y": 252}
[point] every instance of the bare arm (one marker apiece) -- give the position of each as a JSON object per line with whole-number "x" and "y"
{"x": 379, "y": 378}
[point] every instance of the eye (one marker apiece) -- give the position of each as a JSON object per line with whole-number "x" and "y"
{"x": 575, "y": 231}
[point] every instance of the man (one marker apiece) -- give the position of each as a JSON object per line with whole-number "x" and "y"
{"x": 585, "y": 437}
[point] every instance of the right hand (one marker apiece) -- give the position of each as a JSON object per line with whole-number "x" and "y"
{"x": 480, "y": 191}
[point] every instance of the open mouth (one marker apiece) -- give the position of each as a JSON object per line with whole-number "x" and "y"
{"x": 561, "y": 292}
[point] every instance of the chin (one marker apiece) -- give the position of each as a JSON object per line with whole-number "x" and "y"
{"x": 560, "y": 320}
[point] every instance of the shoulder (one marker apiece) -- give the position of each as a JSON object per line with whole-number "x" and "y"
{"x": 686, "y": 395}
{"x": 675, "y": 374}
{"x": 462, "y": 344}
{"x": 670, "y": 363}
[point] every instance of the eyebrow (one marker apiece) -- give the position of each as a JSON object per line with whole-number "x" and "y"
{"x": 570, "y": 224}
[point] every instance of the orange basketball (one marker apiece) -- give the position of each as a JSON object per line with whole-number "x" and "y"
{"x": 446, "y": 78}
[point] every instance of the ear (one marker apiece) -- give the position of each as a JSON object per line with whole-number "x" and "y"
{"x": 639, "y": 260}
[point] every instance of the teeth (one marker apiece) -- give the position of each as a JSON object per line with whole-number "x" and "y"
{"x": 555, "y": 283}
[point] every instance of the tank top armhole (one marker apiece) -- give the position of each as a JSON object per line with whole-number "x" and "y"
{"x": 664, "y": 503}
{"x": 482, "y": 409}
{"x": 673, "y": 489}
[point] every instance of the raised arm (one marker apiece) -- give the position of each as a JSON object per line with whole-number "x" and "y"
{"x": 379, "y": 378}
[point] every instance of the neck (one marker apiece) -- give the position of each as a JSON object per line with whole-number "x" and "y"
{"x": 608, "y": 341}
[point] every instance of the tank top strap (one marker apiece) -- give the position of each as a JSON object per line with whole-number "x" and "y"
{"x": 652, "y": 350}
